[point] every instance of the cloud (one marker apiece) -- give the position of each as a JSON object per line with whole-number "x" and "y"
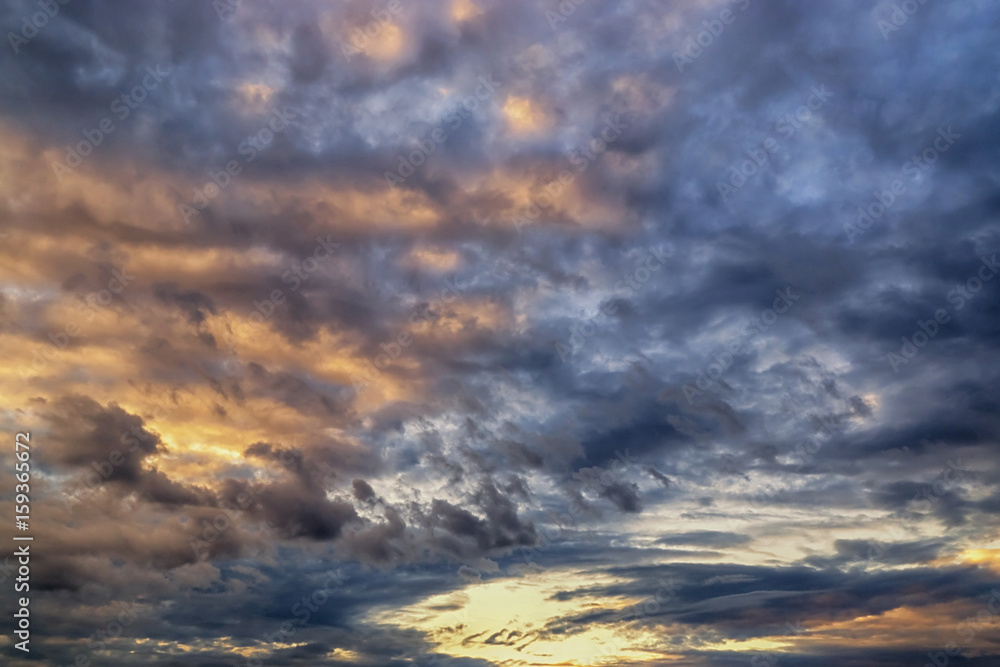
{"x": 480, "y": 374}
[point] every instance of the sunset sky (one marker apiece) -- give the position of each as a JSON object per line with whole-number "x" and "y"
{"x": 503, "y": 333}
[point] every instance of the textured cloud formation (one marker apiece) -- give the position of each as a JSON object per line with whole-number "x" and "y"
{"x": 504, "y": 333}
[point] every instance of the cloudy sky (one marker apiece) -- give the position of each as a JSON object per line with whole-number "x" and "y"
{"x": 481, "y": 333}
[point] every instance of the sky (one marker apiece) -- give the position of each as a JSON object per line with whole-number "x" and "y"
{"x": 497, "y": 333}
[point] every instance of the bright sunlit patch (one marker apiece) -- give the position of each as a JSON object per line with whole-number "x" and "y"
{"x": 543, "y": 199}
{"x": 433, "y": 259}
{"x": 988, "y": 557}
{"x": 523, "y": 116}
{"x": 344, "y": 654}
{"x": 342, "y": 208}
{"x": 462, "y": 10}
{"x": 255, "y": 96}
{"x": 505, "y": 622}
{"x": 388, "y": 43}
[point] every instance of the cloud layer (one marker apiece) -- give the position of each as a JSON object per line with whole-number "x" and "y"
{"x": 504, "y": 333}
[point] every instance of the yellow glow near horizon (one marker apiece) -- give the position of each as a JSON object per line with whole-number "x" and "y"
{"x": 465, "y": 623}
{"x": 988, "y": 557}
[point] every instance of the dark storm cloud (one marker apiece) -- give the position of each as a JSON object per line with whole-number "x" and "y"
{"x": 863, "y": 551}
{"x": 298, "y": 507}
{"x": 192, "y": 302}
{"x": 744, "y": 602}
{"x": 624, "y": 496}
{"x": 500, "y": 528}
{"x": 363, "y": 491}
{"x": 113, "y": 444}
{"x": 86, "y": 431}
